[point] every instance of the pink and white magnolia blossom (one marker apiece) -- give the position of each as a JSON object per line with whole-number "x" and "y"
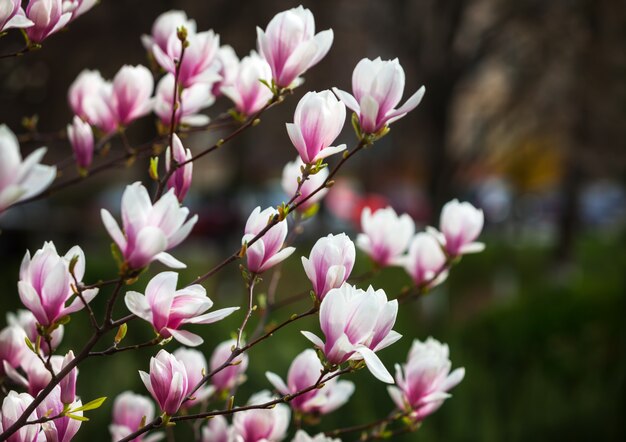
{"x": 180, "y": 180}
{"x": 302, "y": 436}
{"x": 131, "y": 94}
{"x": 385, "y": 236}
{"x": 266, "y": 252}
{"x": 32, "y": 374}
{"x": 165, "y": 26}
{"x": 81, "y": 138}
{"x": 21, "y": 179}
{"x": 168, "y": 309}
{"x": 192, "y": 100}
{"x": 425, "y": 261}
{"x": 13, "y": 405}
{"x": 198, "y": 64}
{"x": 246, "y": 90}
{"x": 196, "y": 366}
{"x": 460, "y": 225}
{"x": 305, "y": 371}
{"x": 357, "y": 324}
{"x": 89, "y": 97}
{"x": 12, "y": 346}
{"x": 216, "y": 430}
{"x": 61, "y": 429}
{"x": 318, "y": 120}
{"x": 231, "y": 376}
{"x": 45, "y": 284}
{"x": 47, "y": 16}
{"x": 261, "y": 425}
{"x": 149, "y": 230}
{"x": 12, "y": 15}
{"x": 424, "y": 381}
{"x": 330, "y": 263}
{"x": 167, "y": 381}
{"x": 78, "y": 7}
{"x": 291, "y": 46}
{"x": 227, "y": 66}
{"x": 291, "y": 173}
{"x": 377, "y": 87}
{"x": 25, "y": 320}
{"x": 129, "y": 409}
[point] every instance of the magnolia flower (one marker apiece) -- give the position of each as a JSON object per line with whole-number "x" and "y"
{"x": 318, "y": 121}
{"x": 89, "y": 97}
{"x": 12, "y": 15}
{"x": 180, "y": 180}
{"x": 165, "y": 26}
{"x": 12, "y": 346}
{"x": 216, "y": 430}
{"x": 291, "y": 173}
{"x": 25, "y": 320}
{"x": 197, "y": 65}
{"x": 385, "y": 236}
{"x": 13, "y": 405}
{"x": 356, "y": 324}
{"x": 246, "y": 89}
{"x": 304, "y": 372}
{"x": 81, "y": 138}
{"x": 167, "y": 381}
{"x": 290, "y": 45}
{"x": 261, "y": 425}
{"x": 302, "y": 436}
{"x": 425, "y": 261}
{"x": 460, "y": 225}
{"x": 167, "y": 309}
{"x": 61, "y": 429}
{"x": 377, "y": 88}
{"x": 424, "y": 381}
{"x": 149, "y": 230}
{"x": 129, "y": 410}
{"x": 196, "y": 367}
{"x": 21, "y": 179}
{"x": 231, "y": 376}
{"x": 68, "y": 383}
{"x": 78, "y": 7}
{"x": 330, "y": 263}
{"x": 130, "y": 96}
{"x": 227, "y": 64}
{"x": 266, "y": 252}
{"x": 192, "y": 100}
{"x": 45, "y": 284}
{"x": 34, "y": 375}
{"x": 47, "y": 16}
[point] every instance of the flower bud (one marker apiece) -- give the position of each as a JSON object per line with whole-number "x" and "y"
{"x": 81, "y": 138}
{"x": 266, "y": 252}
{"x": 167, "y": 381}
{"x": 385, "y": 236}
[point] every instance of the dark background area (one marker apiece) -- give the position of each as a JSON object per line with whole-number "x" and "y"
{"x": 523, "y": 115}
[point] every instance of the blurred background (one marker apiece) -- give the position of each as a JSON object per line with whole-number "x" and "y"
{"x": 524, "y": 116}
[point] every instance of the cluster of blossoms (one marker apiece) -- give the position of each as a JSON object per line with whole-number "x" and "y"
{"x": 356, "y": 323}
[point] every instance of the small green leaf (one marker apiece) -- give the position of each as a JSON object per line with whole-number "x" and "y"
{"x": 92, "y": 405}
{"x": 154, "y": 168}
{"x": 29, "y": 344}
{"x": 77, "y": 417}
{"x": 121, "y": 333}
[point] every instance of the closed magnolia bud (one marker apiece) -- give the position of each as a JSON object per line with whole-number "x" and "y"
{"x": 266, "y": 252}
{"x": 47, "y": 17}
{"x": 318, "y": 120}
{"x": 89, "y": 97}
{"x": 330, "y": 263}
{"x": 12, "y": 346}
{"x": 216, "y": 430}
{"x": 377, "y": 87}
{"x": 425, "y": 261}
{"x": 81, "y": 138}
{"x": 180, "y": 180}
{"x": 131, "y": 94}
{"x": 460, "y": 225}
{"x": 61, "y": 429}
{"x": 68, "y": 383}
{"x": 385, "y": 236}
{"x": 290, "y": 45}
{"x": 13, "y": 405}
{"x": 167, "y": 381}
